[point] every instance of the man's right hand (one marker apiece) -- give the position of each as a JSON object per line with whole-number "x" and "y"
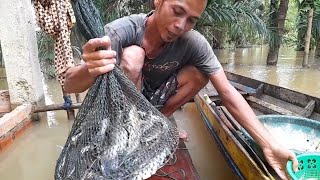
{"x": 99, "y": 61}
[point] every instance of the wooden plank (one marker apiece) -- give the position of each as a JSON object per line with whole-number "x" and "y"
{"x": 270, "y": 107}
{"x": 212, "y": 92}
{"x": 259, "y": 90}
{"x": 236, "y": 130}
{"x": 243, "y": 88}
{"x": 233, "y": 121}
{"x": 284, "y": 94}
{"x": 53, "y": 107}
{"x": 242, "y": 159}
{"x": 15, "y": 117}
{"x": 179, "y": 168}
{"x": 14, "y": 133}
{"x": 308, "y": 110}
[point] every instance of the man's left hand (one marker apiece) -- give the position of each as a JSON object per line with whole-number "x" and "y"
{"x": 277, "y": 156}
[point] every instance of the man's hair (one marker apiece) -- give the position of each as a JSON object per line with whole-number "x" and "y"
{"x": 152, "y": 6}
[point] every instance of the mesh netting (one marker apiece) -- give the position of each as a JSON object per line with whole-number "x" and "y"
{"x": 88, "y": 18}
{"x": 117, "y": 133}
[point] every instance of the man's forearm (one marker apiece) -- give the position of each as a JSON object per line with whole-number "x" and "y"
{"x": 241, "y": 111}
{"x": 78, "y": 79}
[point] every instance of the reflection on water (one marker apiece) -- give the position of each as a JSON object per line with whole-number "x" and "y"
{"x": 289, "y": 73}
{"x": 205, "y": 154}
{"x": 3, "y": 80}
{"x": 51, "y": 115}
{"x": 33, "y": 155}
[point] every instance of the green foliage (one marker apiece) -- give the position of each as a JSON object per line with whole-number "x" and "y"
{"x": 302, "y": 22}
{"x": 316, "y": 21}
{"x": 113, "y": 9}
{"x": 46, "y": 54}
{"x": 242, "y": 19}
{"x": 274, "y": 39}
{"x": 290, "y": 33}
{"x": 107, "y": 9}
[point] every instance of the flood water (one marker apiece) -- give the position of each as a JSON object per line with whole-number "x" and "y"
{"x": 288, "y": 73}
{"x": 33, "y": 155}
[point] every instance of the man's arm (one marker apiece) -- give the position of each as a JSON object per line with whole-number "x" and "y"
{"x": 78, "y": 79}
{"x": 276, "y": 155}
{"x": 240, "y": 109}
{"x": 81, "y": 77}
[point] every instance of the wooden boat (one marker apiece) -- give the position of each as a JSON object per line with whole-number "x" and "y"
{"x": 264, "y": 98}
{"x": 179, "y": 167}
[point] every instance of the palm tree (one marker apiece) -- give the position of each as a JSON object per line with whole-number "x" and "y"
{"x": 302, "y": 23}
{"x": 316, "y": 26}
{"x": 237, "y": 19}
{"x": 277, "y": 28}
{"x": 308, "y": 37}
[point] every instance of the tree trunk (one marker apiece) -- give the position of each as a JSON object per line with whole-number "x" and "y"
{"x": 273, "y": 52}
{"x": 273, "y": 13}
{"x": 219, "y": 37}
{"x": 317, "y": 53}
{"x": 307, "y": 39}
{"x": 272, "y": 58}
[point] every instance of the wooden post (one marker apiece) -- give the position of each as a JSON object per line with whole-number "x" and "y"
{"x": 53, "y": 107}
{"x": 307, "y": 39}
{"x": 70, "y": 112}
{"x": 78, "y": 98}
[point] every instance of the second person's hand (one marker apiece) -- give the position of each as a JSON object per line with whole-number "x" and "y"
{"x": 99, "y": 61}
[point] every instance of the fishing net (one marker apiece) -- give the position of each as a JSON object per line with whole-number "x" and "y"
{"x": 117, "y": 133}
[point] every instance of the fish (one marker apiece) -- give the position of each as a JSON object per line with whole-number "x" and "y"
{"x": 117, "y": 135}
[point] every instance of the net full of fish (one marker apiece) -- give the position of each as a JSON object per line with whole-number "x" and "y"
{"x": 117, "y": 134}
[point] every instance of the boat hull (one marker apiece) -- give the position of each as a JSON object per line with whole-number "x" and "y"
{"x": 264, "y": 99}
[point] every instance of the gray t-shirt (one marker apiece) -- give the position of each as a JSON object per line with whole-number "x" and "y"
{"x": 190, "y": 49}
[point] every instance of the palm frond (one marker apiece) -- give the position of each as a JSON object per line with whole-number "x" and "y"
{"x": 46, "y": 54}
{"x": 241, "y": 18}
{"x": 302, "y": 20}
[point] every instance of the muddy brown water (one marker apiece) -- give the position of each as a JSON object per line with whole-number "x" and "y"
{"x": 32, "y": 156}
{"x": 288, "y": 73}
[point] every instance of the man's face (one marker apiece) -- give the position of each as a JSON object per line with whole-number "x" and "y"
{"x": 176, "y": 17}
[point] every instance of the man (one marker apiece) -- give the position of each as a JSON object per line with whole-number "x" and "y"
{"x": 169, "y": 62}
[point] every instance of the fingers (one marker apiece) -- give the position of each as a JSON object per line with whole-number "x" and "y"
{"x": 99, "y": 67}
{"x": 295, "y": 163}
{"x": 101, "y": 70}
{"x": 99, "y": 61}
{"x": 281, "y": 173}
{"x": 97, "y": 55}
{"x": 93, "y": 44}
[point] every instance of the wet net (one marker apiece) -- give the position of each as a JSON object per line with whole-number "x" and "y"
{"x": 117, "y": 133}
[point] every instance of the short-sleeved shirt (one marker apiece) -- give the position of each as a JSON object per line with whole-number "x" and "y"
{"x": 190, "y": 49}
